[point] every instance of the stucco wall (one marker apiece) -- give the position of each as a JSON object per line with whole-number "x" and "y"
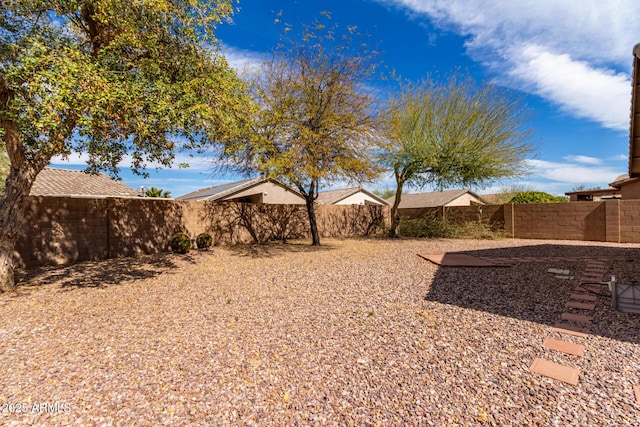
{"x": 271, "y": 193}
{"x": 359, "y": 198}
{"x": 464, "y": 200}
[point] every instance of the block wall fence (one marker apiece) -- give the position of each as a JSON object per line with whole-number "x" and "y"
{"x": 63, "y": 230}
{"x": 616, "y": 221}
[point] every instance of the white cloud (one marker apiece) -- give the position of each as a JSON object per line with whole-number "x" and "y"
{"x": 571, "y": 173}
{"x": 578, "y": 88}
{"x": 196, "y": 163}
{"x": 583, "y": 159}
{"x": 242, "y": 60}
{"x": 575, "y": 53}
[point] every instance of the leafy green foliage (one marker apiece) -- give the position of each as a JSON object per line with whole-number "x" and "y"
{"x": 112, "y": 77}
{"x": 157, "y": 192}
{"x": 180, "y": 243}
{"x": 537, "y": 197}
{"x": 204, "y": 240}
{"x": 317, "y": 119}
{"x": 109, "y": 79}
{"x": 384, "y": 193}
{"x": 455, "y": 133}
{"x": 433, "y": 226}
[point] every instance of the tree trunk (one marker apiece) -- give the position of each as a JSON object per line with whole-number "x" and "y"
{"x": 395, "y": 216}
{"x": 13, "y": 202}
{"x": 310, "y": 199}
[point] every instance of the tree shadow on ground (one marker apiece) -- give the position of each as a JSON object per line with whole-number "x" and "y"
{"x": 526, "y": 290}
{"x": 101, "y": 274}
{"x": 273, "y": 249}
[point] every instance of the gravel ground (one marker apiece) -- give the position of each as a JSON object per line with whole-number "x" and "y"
{"x": 356, "y": 332}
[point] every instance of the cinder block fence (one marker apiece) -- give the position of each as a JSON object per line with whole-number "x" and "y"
{"x": 62, "y": 230}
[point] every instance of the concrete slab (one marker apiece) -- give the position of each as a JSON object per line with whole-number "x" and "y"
{"x": 584, "y": 297}
{"x": 569, "y": 329}
{"x": 564, "y": 347}
{"x": 555, "y": 370}
{"x": 576, "y": 317}
{"x": 581, "y": 305}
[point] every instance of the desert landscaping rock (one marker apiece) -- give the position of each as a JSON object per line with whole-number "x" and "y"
{"x": 355, "y": 332}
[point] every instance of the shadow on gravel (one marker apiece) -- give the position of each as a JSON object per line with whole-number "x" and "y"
{"x": 273, "y": 249}
{"x": 527, "y": 291}
{"x": 100, "y": 274}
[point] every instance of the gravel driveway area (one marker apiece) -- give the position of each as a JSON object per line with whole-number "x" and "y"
{"x": 355, "y": 332}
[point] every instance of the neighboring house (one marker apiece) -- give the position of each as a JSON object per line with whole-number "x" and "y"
{"x": 623, "y": 187}
{"x": 350, "y": 196}
{"x": 75, "y": 183}
{"x": 462, "y": 197}
{"x": 256, "y": 191}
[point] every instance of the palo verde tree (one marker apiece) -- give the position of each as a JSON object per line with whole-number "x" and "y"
{"x": 316, "y": 119}
{"x": 453, "y": 133}
{"x": 109, "y": 79}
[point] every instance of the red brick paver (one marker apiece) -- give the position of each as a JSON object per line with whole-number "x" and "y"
{"x": 564, "y": 347}
{"x": 576, "y": 317}
{"x": 581, "y": 305}
{"x": 555, "y": 370}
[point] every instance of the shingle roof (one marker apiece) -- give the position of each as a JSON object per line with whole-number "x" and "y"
{"x": 66, "y": 182}
{"x": 219, "y": 192}
{"x": 334, "y": 196}
{"x": 430, "y": 200}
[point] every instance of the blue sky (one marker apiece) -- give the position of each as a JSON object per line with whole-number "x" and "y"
{"x": 571, "y": 59}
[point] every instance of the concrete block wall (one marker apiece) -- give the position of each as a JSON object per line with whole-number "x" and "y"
{"x": 63, "y": 230}
{"x": 629, "y": 221}
{"x": 565, "y": 221}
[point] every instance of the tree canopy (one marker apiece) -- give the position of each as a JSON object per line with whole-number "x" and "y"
{"x": 113, "y": 80}
{"x": 157, "y": 192}
{"x": 453, "y": 133}
{"x": 317, "y": 116}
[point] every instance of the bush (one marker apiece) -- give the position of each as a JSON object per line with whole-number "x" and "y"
{"x": 204, "y": 240}
{"x": 433, "y": 226}
{"x": 180, "y": 243}
{"x": 537, "y": 197}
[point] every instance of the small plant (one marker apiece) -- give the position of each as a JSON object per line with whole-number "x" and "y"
{"x": 204, "y": 240}
{"x": 180, "y": 243}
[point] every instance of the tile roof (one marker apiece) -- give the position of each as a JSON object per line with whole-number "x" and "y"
{"x": 66, "y": 182}
{"x": 430, "y": 200}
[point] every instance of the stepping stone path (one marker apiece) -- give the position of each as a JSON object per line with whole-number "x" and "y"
{"x": 583, "y": 299}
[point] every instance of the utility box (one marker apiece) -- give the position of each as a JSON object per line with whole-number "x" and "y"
{"x": 625, "y": 297}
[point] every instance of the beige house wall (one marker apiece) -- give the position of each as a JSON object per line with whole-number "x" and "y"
{"x": 630, "y": 191}
{"x": 270, "y": 193}
{"x": 465, "y": 200}
{"x": 358, "y": 198}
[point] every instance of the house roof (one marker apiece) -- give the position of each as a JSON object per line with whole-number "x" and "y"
{"x": 334, "y": 196}
{"x": 622, "y": 180}
{"x": 220, "y": 192}
{"x": 75, "y": 183}
{"x": 431, "y": 200}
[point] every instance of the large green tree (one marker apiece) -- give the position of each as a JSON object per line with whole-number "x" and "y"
{"x": 108, "y": 78}
{"x": 454, "y": 133}
{"x": 317, "y": 119}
